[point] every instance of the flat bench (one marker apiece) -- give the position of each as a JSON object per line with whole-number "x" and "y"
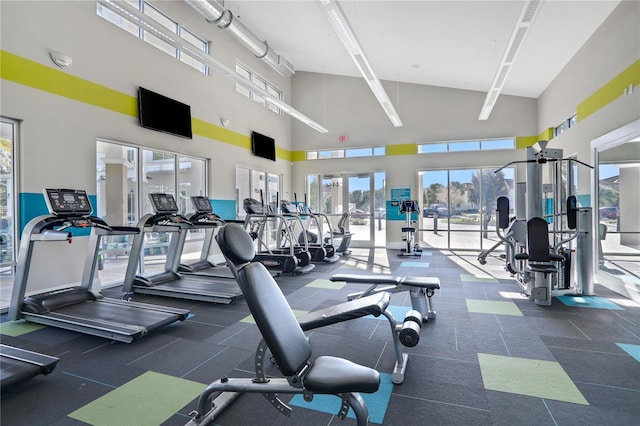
{"x": 421, "y": 289}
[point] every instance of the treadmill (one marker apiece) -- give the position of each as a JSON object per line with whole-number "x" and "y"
{"x": 169, "y": 282}
{"x": 81, "y": 308}
{"x": 18, "y": 365}
{"x": 205, "y": 218}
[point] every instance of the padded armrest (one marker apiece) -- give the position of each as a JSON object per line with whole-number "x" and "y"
{"x": 521, "y": 256}
{"x": 366, "y": 279}
{"x": 556, "y": 257}
{"x": 370, "y": 305}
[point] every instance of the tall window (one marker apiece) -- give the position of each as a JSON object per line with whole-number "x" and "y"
{"x": 126, "y": 175}
{"x": 8, "y": 210}
{"x": 250, "y": 183}
{"x": 459, "y": 206}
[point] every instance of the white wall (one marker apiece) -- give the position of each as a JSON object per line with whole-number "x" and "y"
{"x": 57, "y": 146}
{"x": 611, "y": 49}
{"x": 57, "y": 131}
{"x": 345, "y": 105}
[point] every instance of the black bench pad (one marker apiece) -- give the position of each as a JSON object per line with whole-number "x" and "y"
{"x": 430, "y": 283}
{"x": 371, "y": 305}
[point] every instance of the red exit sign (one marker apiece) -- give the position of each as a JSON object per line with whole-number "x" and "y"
{"x": 343, "y": 138}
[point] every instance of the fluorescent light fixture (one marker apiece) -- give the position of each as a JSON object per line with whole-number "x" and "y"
{"x": 133, "y": 15}
{"x": 525, "y": 21}
{"x": 347, "y": 37}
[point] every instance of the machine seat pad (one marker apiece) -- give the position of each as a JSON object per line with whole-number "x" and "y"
{"x": 430, "y": 283}
{"x": 331, "y": 375}
{"x": 371, "y": 305}
{"x": 544, "y": 267}
{"x": 366, "y": 279}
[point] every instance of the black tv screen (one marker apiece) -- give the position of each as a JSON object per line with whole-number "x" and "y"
{"x": 263, "y": 146}
{"x": 158, "y": 112}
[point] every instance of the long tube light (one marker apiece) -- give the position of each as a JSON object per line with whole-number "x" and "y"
{"x": 133, "y": 15}
{"x": 527, "y": 15}
{"x": 341, "y": 26}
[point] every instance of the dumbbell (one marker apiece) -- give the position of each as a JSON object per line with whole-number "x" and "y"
{"x": 410, "y": 332}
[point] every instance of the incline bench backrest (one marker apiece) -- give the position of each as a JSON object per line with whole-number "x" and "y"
{"x": 270, "y": 309}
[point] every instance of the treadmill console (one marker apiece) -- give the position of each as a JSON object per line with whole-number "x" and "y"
{"x": 201, "y": 204}
{"x": 163, "y": 203}
{"x": 253, "y": 206}
{"x": 287, "y": 207}
{"x": 67, "y": 202}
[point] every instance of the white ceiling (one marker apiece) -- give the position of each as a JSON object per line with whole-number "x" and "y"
{"x": 446, "y": 43}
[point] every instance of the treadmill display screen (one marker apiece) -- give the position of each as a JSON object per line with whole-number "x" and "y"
{"x": 67, "y": 202}
{"x": 163, "y": 203}
{"x": 201, "y": 204}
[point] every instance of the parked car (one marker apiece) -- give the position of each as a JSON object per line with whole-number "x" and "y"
{"x": 609, "y": 212}
{"x": 432, "y": 210}
{"x": 380, "y": 213}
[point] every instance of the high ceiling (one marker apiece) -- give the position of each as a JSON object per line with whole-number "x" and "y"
{"x": 445, "y": 43}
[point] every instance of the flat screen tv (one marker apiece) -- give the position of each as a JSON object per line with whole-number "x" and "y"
{"x": 263, "y": 146}
{"x": 158, "y": 112}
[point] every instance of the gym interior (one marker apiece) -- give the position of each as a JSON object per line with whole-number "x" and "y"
{"x": 432, "y": 285}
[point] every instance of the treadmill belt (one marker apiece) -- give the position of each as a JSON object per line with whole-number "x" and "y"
{"x": 14, "y": 371}
{"x": 118, "y": 316}
{"x": 203, "y": 286}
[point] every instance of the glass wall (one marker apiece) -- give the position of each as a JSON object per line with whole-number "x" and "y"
{"x": 251, "y": 183}
{"x": 459, "y": 206}
{"x": 334, "y": 195}
{"x": 8, "y": 210}
{"x": 125, "y": 177}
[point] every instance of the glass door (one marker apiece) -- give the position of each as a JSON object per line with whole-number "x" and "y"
{"x": 359, "y": 202}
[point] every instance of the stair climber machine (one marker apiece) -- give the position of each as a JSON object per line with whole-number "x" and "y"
{"x": 320, "y": 239}
{"x": 81, "y": 308}
{"x": 341, "y": 234}
{"x": 169, "y": 282}
{"x": 204, "y": 218}
{"x": 409, "y": 208}
{"x": 275, "y": 245}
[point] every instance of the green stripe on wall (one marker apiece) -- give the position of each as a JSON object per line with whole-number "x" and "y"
{"x": 29, "y": 73}
{"x": 523, "y": 142}
{"x": 610, "y": 91}
{"x": 298, "y": 155}
{"x": 211, "y": 131}
{"x": 402, "y": 149}
{"x": 38, "y": 76}
{"x": 546, "y": 135}
{"x": 282, "y": 153}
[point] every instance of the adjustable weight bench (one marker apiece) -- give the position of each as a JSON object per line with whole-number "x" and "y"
{"x": 421, "y": 289}
{"x": 290, "y": 348}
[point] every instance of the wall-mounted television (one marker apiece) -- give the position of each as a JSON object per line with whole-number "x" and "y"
{"x": 158, "y": 112}
{"x": 263, "y": 146}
